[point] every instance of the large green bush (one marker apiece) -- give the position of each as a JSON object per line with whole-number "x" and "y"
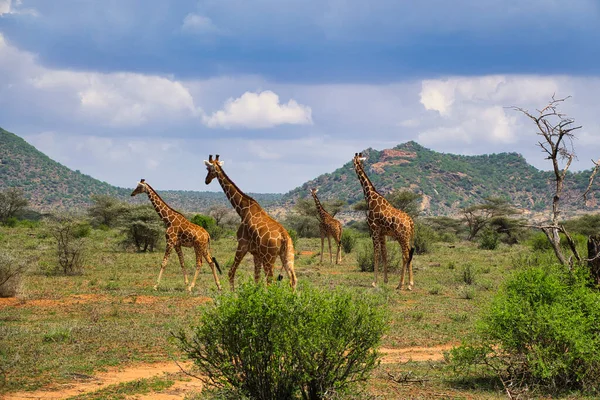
{"x": 209, "y": 224}
{"x": 366, "y": 261}
{"x": 425, "y": 237}
{"x": 541, "y": 330}
{"x": 348, "y": 240}
{"x": 267, "y": 342}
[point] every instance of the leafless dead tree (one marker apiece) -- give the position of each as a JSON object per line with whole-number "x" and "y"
{"x": 556, "y": 134}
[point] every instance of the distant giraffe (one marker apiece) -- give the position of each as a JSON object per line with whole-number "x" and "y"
{"x": 329, "y": 227}
{"x": 385, "y": 220}
{"x": 180, "y": 232}
{"x": 259, "y": 234}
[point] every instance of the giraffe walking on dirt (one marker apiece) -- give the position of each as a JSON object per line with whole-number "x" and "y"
{"x": 329, "y": 227}
{"x": 385, "y": 220}
{"x": 180, "y": 232}
{"x": 259, "y": 234}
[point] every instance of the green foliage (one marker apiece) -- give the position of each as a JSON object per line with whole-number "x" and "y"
{"x": 424, "y": 238}
{"x": 12, "y": 269}
{"x": 272, "y": 343}
{"x": 489, "y": 239}
{"x": 71, "y": 245}
{"x": 366, "y": 261}
{"x": 587, "y": 225}
{"x": 106, "y": 210}
{"x": 539, "y": 242}
{"x": 543, "y": 329}
{"x": 11, "y": 222}
{"x": 12, "y": 202}
{"x": 305, "y": 226}
{"x": 407, "y": 201}
{"x": 209, "y": 224}
{"x": 294, "y": 236}
{"x": 141, "y": 227}
{"x": 348, "y": 240}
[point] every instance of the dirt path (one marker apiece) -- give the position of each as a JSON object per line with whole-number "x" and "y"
{"x": 182, "y": 387}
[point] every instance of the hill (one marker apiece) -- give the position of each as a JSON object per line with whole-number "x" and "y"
{"x": 448, "y": 182}
{"x": 50, "y": 185}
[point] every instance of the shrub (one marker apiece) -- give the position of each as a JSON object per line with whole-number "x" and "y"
{"x": 11, "y": 222}
{"x": 348, "y": 240}
{"x": 294, "y": 236}
{"x": 11, "y": 273}
{"x": 209, "y": 224}
{"x": 268, "y": 342}
{"x": 366, "y": 260}
{"x": 488, "y": 240}
{"x": 542, "y": 329}
{"x": 468, "y": 274}
{"x": 539, "y": 242}
{"x": 424, "y": 237}
{"x": 142, "y": 228}
{"x": 70, "y": 247}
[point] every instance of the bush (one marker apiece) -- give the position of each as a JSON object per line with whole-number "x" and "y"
{"x": 209, "y": 224}
{"x": 142, "y": 228}
{"x": 294, "y": 236}
{"x": 348, "y": 240}
{"x": 489, "y": 240}
{"x": 542, "y": 329}
{"x": 539, "y": 242}
{"x": 70, "y": 245}
{"x": 268, "y": 342}
{"x": 424, "y": 238}
{"x": 366, "y": 260}
{"x": 11, "y": 273}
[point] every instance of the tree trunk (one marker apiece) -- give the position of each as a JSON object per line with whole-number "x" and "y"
{"x": 593, "y": 246}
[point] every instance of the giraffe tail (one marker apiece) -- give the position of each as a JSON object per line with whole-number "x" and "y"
{"x": 410, "y": 255}
{"x": 217, "y": 265}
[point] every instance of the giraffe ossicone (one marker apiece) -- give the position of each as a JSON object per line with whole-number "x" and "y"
{"x": 180, "y": 232}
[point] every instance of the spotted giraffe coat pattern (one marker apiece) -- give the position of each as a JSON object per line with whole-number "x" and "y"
{"x": 258, "y": 234}
{"x": 329, "y": 227}
{"x": 385, "y": 220}
{"x": 180, "y": 232}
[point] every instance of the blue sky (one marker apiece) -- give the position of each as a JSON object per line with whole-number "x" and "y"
{"x": 285, "y": 91}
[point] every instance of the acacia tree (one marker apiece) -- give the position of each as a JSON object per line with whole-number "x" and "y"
{"x": 479, "y": 216}
{"x": 556, "y": 133}
{"x": 12, "y": 201}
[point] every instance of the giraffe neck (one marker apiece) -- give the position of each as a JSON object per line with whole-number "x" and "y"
{"x": 320, "y": 208}
{"x": 365, "y": 182}
{"x": 238, "y": 199}
{"x": 165, "y": 212}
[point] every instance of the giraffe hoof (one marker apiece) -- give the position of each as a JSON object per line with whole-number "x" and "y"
{"x": 409, "y": 287}
{"x": 374, "y": 284}
{"x": 155, "y": 287}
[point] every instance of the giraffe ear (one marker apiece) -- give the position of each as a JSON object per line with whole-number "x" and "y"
{"x": 221, "y": 163}
{"x": 207, "y": 163}
{"x": 362, "y": 158}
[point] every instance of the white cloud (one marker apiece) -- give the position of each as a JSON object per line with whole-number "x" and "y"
{"x": 121, "y": 99}
{"x": 259, "y": 110}
{"x": 5, "y": 6}
{"x": 196, "y": 23}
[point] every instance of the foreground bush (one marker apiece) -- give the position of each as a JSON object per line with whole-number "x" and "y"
{"x": 541, "y": 330}
{"x": 69, "y": 234}
{"x": 271, "y": 343}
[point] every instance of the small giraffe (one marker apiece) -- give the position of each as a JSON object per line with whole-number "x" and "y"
{"x": 259, "y": 234}
{"x": 180, "y": 232}
{"x": 385, "y": 220}
{"x": 329, "y": 227}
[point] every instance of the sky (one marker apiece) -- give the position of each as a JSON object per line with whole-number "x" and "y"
{"x": 287, "y": 90}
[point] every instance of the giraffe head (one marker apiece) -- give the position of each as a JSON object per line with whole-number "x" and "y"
{"x": 314, "y": 190}
{"x": 141, "y": 188}
{"x": 358, "y": 159}
{"x": 212, "y": 166}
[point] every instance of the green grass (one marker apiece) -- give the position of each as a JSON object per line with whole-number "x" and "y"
{"x": 111, "y": 313}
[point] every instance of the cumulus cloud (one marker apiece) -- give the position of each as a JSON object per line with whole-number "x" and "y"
{"x": 196, "y": 23}
{"x": 259, "y": 110}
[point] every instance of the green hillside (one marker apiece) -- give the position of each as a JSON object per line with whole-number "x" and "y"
{"x": 50, "y": 185}
{"x": 447, "y": 181}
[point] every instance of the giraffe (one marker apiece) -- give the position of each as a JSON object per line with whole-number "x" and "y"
{"x": 385, "y": 220}
{"x": 180, "y": 232}
{"x": 329, "y": 227}
{"x": 259, "y": 234}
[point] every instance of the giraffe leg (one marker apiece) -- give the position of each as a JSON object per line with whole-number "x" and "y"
{"x": 322, "y": 246}
{"x": 182, "y": 263}
{"x": 330, "y": 253}
{"x": 376, "y": 253}
{"x": 338, "y": 254}
{"x": 211, "y": 263}
{"x": 239, "y": 255}
{"x": 268, "y": 266}
{"x": 287, "y": 262}
{"x": 198, "y": 266}
{"x": 406, "y": 265}
{"x": 164, "y": 264}
{"x": 384, "y": 258}
{"x": 258, "y": 264}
